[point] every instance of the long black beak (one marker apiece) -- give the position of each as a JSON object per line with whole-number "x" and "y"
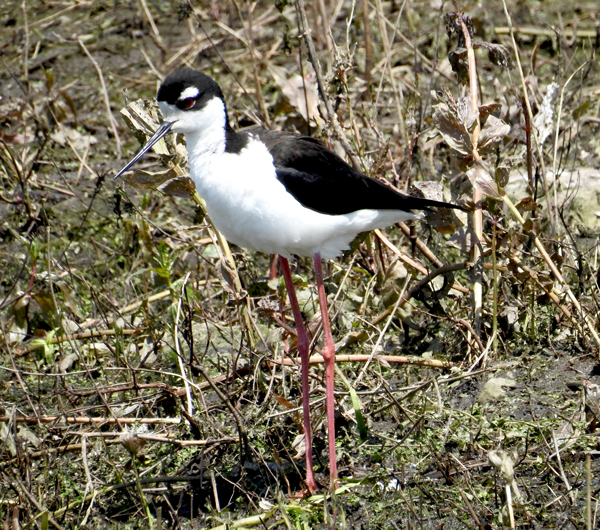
{"x": 163, "y": 130}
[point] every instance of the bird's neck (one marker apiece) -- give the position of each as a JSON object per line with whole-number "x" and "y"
{"x": 206, "y": 146}
{"x": 203, "y": 148}
{"x": 207, "y": 142}
{"x": 211, "y": 140}
{"x": 215, "y": 136}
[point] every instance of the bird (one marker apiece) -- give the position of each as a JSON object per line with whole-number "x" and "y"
{"x": 280, "y": 193}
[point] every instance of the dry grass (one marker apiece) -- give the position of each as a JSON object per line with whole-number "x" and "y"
{"x": 146, "y": 382}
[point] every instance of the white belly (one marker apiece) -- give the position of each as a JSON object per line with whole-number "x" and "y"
{"x": 252, "y": 209}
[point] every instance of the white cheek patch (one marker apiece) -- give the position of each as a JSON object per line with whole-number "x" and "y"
{"x": 189, "y": 92}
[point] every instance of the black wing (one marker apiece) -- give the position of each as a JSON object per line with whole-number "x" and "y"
{"x": 322, "y": 181}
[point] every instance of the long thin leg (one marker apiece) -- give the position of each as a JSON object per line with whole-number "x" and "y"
{"x": 328, "y": 353}
{"x": 303, "y": 345}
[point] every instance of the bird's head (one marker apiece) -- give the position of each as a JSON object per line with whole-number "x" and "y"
{"x": 191, "y": 103}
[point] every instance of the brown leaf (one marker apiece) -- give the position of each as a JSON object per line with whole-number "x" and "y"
{"x": 527, "y": 205}
{"x": 492, "y": 132}
{"x": 534, "y": 225}
{"x": 46, "y": 302}
{"x": 481, "y": 178}
{"x": 179, "y": 187}
{"x": 466, "y": 114}
{"x": 497, "y": 54}
{"x": 145, "y": 180}
{"x": 444, "y": 220}
{"x": 428, "y": 189}
{"x": 459, "y": 66}
{"x": 455, "y": 124}
{"x": 502, "y": 175}
{"x": 283, "y": 402}
{"x": 487, "y": 110}
{"x": 142, "y": 118}
{"x": 301, "y": 92}
{"x": 69, "y": 298}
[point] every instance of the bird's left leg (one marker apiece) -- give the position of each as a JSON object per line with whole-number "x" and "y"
{"x": 303, "y": 345}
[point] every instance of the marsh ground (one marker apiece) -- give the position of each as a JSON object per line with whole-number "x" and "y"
{"x": 116, "y": 307}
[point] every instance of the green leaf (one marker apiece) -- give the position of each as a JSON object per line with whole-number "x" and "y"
{"x": 360, "y": 421}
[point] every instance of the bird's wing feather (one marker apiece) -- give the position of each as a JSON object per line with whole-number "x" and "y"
{"x": 322, "y": 181}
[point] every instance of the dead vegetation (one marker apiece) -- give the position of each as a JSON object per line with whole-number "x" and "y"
{"x": 148, "y": 376}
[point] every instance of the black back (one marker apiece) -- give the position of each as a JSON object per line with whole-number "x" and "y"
{"x": 322, "y": 181}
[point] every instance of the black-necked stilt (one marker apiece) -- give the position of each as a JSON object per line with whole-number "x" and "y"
{"x": 279, "y": 193}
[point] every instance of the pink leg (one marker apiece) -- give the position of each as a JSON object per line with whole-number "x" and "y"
{"x": 303, "y": 345}
{"x": 328, "y": 353}
{"x": 273, "y": 267}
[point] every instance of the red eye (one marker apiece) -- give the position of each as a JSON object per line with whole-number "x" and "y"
{"x": 187, "y": 103}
